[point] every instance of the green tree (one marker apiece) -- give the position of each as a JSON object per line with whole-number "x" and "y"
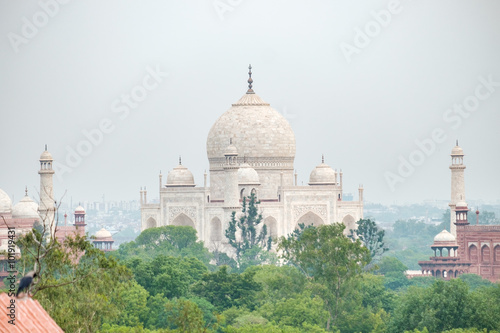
{"x": 296, "y": 311}
{"x": 486, "y": 218}
{"x": 366, "y": 306}
{"x": 132, "y": 300}
{"x": 485, "y": 308}
{"x": 75, "y": 282}
{"x": 371, "y": 237}
{"x": 442, "y": 306}
{"x": 244, "y": 237}
{"x": 329, "y": 259}
{"x": 475, "y": 281}
{"x": 394, "y": 273}
{"x": 278, "y": 282}
{"x": 187, "y": 317}
{"x": 170, "y": 276}
{"x": 225, "y": 290}
{"x": 157, "y": 316}
{"x": 175, "y": 241}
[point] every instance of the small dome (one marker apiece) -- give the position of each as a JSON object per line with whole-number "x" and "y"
{"x": 25, "y": 209}
{"x": 46, "y": 156}
{"x": 323, "y": 174}
{"x": 102, "y": 234}
{"x": 461, "y": 204}
{"x": 231, "y": 150}
{"x": 444, "y": 237}
{"x": 247, "y": 175}
{"x": 5, "y": 203}
{"x": 180, "y": 176}
{"x": 79, "y": 210}
{"x": 457, "y": 150}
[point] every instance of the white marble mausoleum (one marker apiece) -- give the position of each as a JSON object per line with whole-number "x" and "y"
{"x": 250, "y": 148}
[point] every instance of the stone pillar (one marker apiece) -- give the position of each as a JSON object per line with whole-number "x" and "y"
{"x": 47, "y": 209}
{"x": 457, "y": 168}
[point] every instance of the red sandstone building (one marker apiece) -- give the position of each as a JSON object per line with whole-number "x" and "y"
{"x": 468, "y": 248}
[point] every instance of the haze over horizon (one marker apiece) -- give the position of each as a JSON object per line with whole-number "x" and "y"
{"x": 379, "y": 104}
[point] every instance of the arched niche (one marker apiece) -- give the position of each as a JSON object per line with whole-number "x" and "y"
{"x": 485, "y": 253}
{"x": 215, "y": 230}
{"x": 350, "y": 224}
{"x": 308, "y": 219}
{"x": 496, "y": 253}
{"x": 151, "y": 223}
{"x": 473, "y": 255}
{"x": 272, "y": 226}
{"x": 183, "y": 220}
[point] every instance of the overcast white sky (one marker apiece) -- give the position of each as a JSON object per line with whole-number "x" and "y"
{"x": 364, "y": 111}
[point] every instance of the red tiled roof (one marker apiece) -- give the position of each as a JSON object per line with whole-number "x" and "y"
{"x": 29, "y": 314}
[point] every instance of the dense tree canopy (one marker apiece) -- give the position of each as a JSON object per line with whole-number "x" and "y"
{"x": 176, "y": 241}
{"x": 163, "y": 282}
{"x": 329, "y": 258}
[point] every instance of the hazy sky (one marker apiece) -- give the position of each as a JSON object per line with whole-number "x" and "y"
{"x": 360, "y": 81}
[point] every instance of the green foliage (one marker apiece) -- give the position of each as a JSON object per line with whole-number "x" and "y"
{"x": 108, "y": 328}
{"x": 244, "y": 237}
{"x": 225, "y": 290}
{"x": 329, "y": 259}
{"x": 390, "y": 264}
{"x": 475, "y": 281}
{"x": 446, "y": 306}
{"x": 394, "y": 273}
{"x": 131, "y": 299}
{"x": 296, "y": 311}
{"x": 76, "y": 282}
{"x": 410, "y": 240}
{"x": 273, "y": 328}
{"x": 230, "y": 315}
{"x": 371, "y": 237}
{"x": 175, "y": 241}
{"x": 249, "y": 319}
{"x": 157, "y": 316}
{"x": 485, "y": 218}
{"x": 422, "y": 281}
{"x": 485, "y": 308}
{"x": 187, "y": 317}
{"x": 278, "y": 282}
{"x": 169, "y": 276}
{"x": 374, "y": 294}
{"x": 365, "y": 308}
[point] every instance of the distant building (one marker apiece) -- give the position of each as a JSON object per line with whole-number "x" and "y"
{"x": 103, "y": 240}
{"x": 26, "y": 213}
{"x": 250, "y": 149}
{"x": 467, "y": 248}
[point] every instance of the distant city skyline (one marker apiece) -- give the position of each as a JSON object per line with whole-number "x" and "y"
{"x": 118, "y": 92}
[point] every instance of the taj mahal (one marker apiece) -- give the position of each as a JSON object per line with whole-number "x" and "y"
{"x": 250, "y": 149}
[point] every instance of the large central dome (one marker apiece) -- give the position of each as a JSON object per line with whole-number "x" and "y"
{"x": 260, "y": 134}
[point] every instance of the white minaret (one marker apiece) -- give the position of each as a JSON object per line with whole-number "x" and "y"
{"x": 457, "y": 168}
{"x": 231, "y": 166}
{"x": 46, "y": 208}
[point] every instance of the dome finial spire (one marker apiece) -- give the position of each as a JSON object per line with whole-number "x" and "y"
{"x": 180, "y": 160}
{"x": 457, "y": 142}
{"x": 45, "y": 147}
{"x": 250, "y": 81}
{"x": 26, "y": 190}
{"x": 322, "y": 158}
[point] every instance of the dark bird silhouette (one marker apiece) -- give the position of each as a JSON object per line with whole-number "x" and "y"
{"x": 25, "y": 282}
